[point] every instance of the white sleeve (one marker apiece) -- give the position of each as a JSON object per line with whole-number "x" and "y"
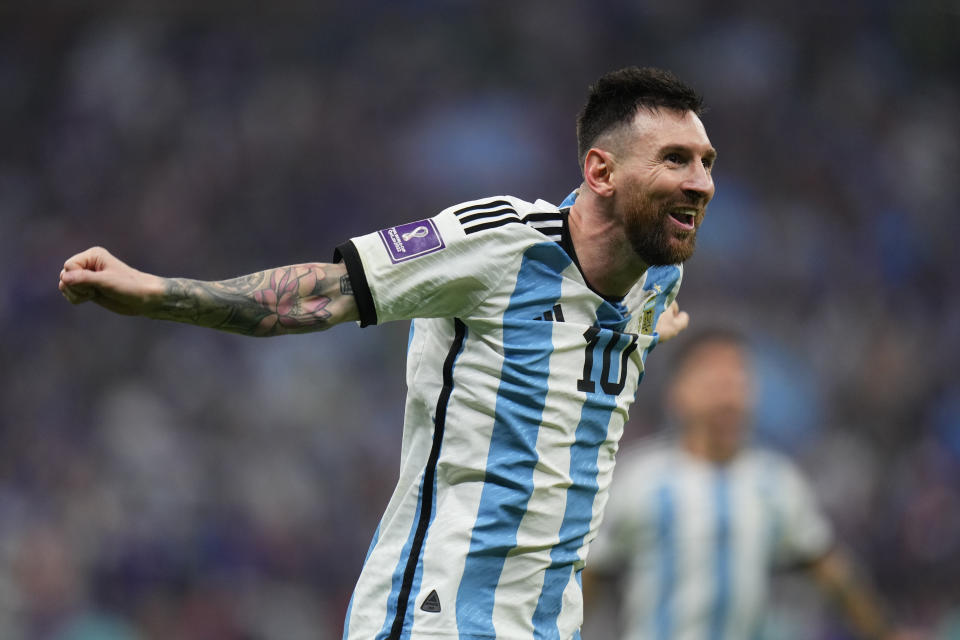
{"x": 438, "y": 267}
{"x": 806, "y": 534}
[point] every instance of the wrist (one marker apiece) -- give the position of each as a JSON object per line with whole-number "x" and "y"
{"x": 155, "y": 293}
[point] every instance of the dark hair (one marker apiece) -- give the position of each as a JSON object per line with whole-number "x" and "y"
{"x": 617, "y": 95}
{"x": 690, "y": 345}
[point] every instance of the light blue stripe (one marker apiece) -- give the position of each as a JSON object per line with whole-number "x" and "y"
{"x": 569, "y": 200}
{"x": 722, "y": 594}
{"x": 346, "y": 622}
{"x": 512, "y": 454}
{"x": 661, "y": 279}
{"x": 590, "y": 434}
{"x": 667, "y": 553}
{"x": 399, "y": 569}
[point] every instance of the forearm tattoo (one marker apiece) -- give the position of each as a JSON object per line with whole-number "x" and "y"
{"x": 277, "y": 301}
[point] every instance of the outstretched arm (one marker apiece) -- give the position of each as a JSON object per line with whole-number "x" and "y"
{"x": 292, "y": 299}
{"x": 838, "y": 578}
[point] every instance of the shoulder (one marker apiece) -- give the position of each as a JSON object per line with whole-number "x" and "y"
{"x": 653, "y": 293}
{"x": 484, "y": 215}
{"x": 769, "y": 457}
{"x": 775, "y": 466}
{"x": 662, "y": 281}
{"x": 492, "y": 229}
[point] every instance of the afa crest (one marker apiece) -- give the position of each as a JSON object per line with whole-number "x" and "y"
{"x": 648, "y": 313}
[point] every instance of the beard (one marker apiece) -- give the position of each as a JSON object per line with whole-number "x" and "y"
{"x": 653, "y": 236}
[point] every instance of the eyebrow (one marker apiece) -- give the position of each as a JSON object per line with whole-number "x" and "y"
{"x": 710, "y": 153}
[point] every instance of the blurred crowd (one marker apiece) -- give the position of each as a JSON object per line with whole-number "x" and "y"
{"x": 162, "y": 482}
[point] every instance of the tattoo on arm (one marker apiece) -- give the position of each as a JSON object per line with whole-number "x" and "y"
{"x": 290, "y": 299}
{"x": 345, "y": 287}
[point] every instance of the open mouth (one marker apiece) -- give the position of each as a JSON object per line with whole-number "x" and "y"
{"x": 685, "y": 218}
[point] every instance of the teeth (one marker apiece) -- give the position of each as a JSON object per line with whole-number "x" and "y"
{"x": 685, "y": 216}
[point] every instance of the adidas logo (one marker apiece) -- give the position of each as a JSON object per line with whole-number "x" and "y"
{"x": 431, "y": 603}
{"x": 554, "y": 315}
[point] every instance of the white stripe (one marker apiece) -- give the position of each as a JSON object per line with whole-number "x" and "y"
{"x": 482, "y": 221}
{"x": 543, "y": 223}
{"x": 471, "y": 209}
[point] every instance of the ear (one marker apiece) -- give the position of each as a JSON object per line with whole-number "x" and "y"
{"x": 598, "y": 172}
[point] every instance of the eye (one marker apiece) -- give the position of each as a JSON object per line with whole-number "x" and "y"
{"x": 708, "y": 163}
{"x": 673, "y": 158}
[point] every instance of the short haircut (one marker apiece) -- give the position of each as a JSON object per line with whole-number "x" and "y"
{"x": 615, "y": 98}
{"x": 690, "y": 345}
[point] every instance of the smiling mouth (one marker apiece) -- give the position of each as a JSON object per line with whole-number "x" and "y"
{"x": 685, "y": 218}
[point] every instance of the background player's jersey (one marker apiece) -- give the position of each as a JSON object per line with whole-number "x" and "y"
{"x": 519, "y": 379}
{"x": 698, "y": 541}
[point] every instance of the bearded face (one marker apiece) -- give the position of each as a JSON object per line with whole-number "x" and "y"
{"x": 661, "y": 228}
{"x": 663, "y": 162}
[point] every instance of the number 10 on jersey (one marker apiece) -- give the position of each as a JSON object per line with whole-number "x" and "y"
{"x": 622, "y": 343}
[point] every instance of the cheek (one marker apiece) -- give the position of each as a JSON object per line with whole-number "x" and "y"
{"x": 712, "y": 397}
{"x": 641, "y": 210}
{"x": 690, "y": 403}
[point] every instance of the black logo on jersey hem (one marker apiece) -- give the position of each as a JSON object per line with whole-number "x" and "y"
{"x": 432, "y": 603}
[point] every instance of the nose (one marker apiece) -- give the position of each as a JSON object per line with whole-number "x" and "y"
{"x": 698, "y": 187}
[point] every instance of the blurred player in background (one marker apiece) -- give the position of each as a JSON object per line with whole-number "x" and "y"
{"x": 531, "y": 327}
{"x": 696, "y": 525}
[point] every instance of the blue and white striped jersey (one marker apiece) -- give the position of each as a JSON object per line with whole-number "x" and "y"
{"x": 519, "y": 379}
{"x": 698, "y": 542}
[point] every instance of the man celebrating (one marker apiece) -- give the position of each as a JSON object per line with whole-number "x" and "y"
{"x": 531, "y": 325}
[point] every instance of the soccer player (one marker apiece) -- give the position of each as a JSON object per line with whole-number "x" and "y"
{"x": 531, "y": 325}
{"x": 696, "y": 524}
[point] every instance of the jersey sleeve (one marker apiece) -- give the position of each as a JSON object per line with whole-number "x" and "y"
{"x": 806, "y": 534}
{"x": 438, "y": 267}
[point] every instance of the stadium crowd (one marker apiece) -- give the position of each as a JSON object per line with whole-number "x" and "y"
{"x": 159, "y": 481}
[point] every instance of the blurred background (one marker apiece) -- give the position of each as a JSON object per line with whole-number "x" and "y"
{"x": 159, "y": 481}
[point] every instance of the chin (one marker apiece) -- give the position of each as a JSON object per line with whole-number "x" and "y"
{"x": 683, "y": 248}
{"x": 669, "y": 255}
{"x": 659, "y": 247}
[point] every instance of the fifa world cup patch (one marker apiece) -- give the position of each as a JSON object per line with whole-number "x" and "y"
{"x": 411, "y": 240}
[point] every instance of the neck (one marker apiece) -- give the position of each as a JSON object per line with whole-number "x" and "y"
{"x": 704, "y": 448}
{"x": 609, "y": 264}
